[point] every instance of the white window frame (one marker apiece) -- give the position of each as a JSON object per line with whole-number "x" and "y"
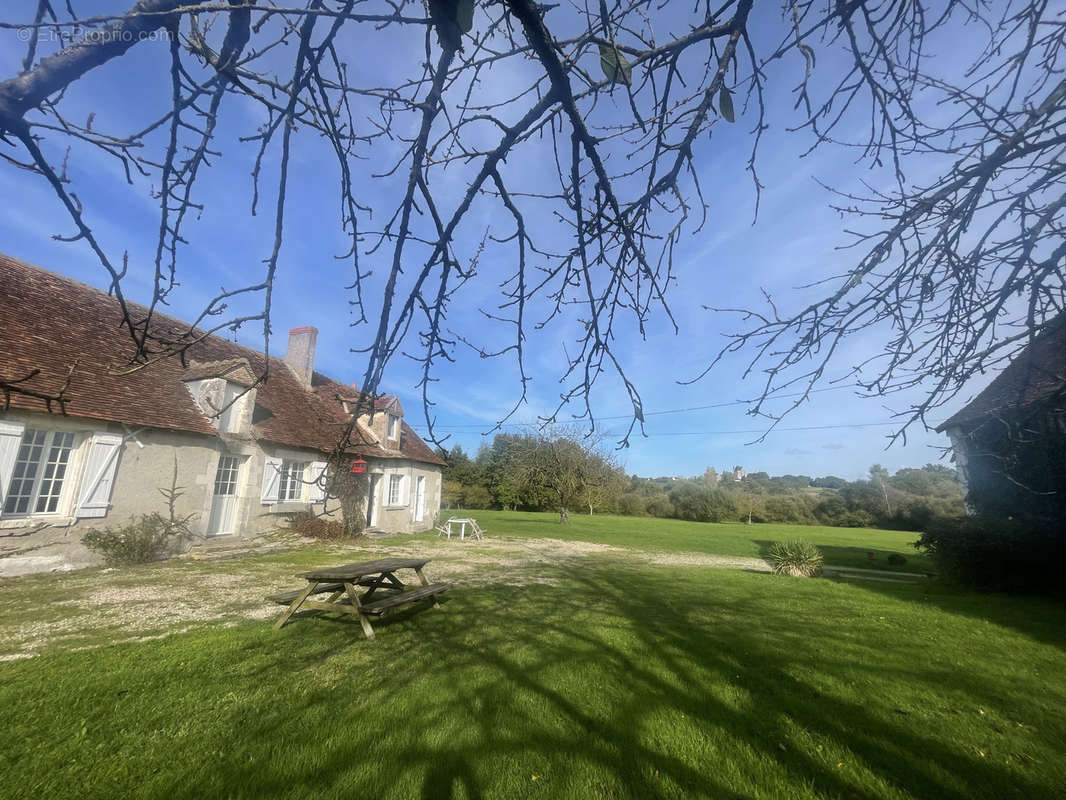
{"x": 293, "y": 476}
{"x": 67, "y": 480}
{"x": 395, "y": 486}
{"x": 228, "y": 469}
{"x": 392, "y": 430}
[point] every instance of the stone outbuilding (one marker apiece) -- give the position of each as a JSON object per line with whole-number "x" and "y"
{"x": 1009, "y": 443}
{"x": 243, "y": 456}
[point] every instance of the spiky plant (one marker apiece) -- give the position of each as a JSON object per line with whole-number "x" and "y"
{"x": 795, "y": 557}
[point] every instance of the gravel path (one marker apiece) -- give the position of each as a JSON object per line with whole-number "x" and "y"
{"x": 705, "y": 560}
{"x": 93, "y": 607}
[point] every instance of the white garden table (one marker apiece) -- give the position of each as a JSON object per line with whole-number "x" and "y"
{"x": 462, "y": 522}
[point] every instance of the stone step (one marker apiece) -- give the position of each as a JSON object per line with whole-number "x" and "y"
{"x": 375, "y": 533}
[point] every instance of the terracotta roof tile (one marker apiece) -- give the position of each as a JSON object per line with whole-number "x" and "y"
{"x": 48, "y": 322}
{"x": 236, "y": 370}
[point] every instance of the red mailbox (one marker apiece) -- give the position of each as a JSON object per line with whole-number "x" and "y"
{"x": 358, "y": 466}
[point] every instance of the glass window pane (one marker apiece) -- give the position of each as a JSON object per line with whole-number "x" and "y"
{"x": 291, "y": 481}
{"x": 54, "y": 470}
{"x": 20, "y": 492}
{"x": 226, "y": 475}
{"x": 283, "y": 484}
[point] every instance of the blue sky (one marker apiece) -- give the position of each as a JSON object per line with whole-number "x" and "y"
{"x": 795, "y": 240}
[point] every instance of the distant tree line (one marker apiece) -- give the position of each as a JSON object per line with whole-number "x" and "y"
{"x": 564, "y": 472}
{"x": 559, "y": 471}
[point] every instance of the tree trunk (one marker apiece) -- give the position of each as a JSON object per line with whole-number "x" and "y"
{"x": 564, "y": 516}
{"x": 351, "y": 490}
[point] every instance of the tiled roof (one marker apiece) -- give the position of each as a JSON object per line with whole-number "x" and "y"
{"x": 383, "y": 402}
{"x": 235, "y": 370}
{"x": 47, "y": 322}
{"x": 1035, "y": 375}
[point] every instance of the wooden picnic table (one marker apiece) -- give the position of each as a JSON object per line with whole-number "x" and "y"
{"x": 342, "y": 582}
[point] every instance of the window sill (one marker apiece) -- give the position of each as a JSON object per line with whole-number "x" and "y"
{"x": 286, "y": 507}
{"x": 48, "y": 520}
{"x": 396, "y": 508}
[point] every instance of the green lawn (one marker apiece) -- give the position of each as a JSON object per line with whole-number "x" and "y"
{"x": 587, "y": 675}
{"x": 843, "y": 547}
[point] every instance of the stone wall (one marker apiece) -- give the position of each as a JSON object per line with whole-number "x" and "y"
{"x": 400, "y": 517}
{"x": 146, "y": 465}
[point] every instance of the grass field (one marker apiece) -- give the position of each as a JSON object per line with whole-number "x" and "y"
{"x": 844, "y": 547}
{"x": 555, "y": 669}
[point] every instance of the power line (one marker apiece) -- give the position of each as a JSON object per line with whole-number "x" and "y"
{"x": 763, "y": 430}
{"x": 457, "y": 427}
{"x": 837, "y": 426}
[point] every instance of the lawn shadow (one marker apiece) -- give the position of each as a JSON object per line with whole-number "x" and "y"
{"x": 506, "y": 676}
{"x": 450, "y": 777}
{"x": 1040, "y": 618}
{"x": 856, "y": 557}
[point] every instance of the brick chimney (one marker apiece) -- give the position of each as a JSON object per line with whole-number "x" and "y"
{"x": 300, "y": 354}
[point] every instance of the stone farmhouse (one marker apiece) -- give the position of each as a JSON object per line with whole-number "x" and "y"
{"x": 244, "y": 457}
{"x": 1010, "y": 441}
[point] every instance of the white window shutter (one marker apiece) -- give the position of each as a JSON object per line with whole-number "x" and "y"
{"x": 405, "y": 486}
{"x": 271, "y": 480}
{"x": 10, "y": 439}
{"x": 316, "y": 491}
{"x": 98, "y": 476}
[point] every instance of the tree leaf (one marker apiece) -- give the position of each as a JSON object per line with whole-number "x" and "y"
{"x": 615, "y": 66}
{"x": 464, "y": 15}
{"x": 725, "y": 104}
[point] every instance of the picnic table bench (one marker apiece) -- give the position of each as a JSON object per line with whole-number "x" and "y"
{"x": 341, "y": 583}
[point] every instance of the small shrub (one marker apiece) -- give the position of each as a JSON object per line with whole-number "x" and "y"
{"x": 896, "y": 560}
{"x": 145, "y": 539}
{"x": 476, "y": 496}
{"x": 660, "y": 506}
{"x": 790, "y": 509}
{"x": 631, "y": 504}
{"x": 297, "y": 518}
{"x": 856, "y": 519}
{"x": 309, "y": 524}
{"x": 796, "y": 557}
{"x": 698, "y": 503}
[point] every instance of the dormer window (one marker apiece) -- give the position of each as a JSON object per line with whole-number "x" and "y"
{"x": 220, "y": 401}
{"x": 394, "y": 427}
{"x": 224, "y": 391}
